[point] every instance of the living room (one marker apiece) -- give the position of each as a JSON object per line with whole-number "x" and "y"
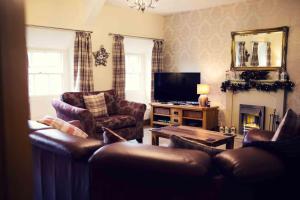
{"x": 200, "y": 99}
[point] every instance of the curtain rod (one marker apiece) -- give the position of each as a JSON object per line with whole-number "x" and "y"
{"x": 65, "y": 29}
{"x": 134, "y": 36}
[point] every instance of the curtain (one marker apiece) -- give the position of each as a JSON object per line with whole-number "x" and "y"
{"x": 241, "y": 55}
{"x": 269, "y": 54}
{"x": 118, "y": 56}
{"x": 83, "y": 69}
{"x": 254, "y": 58}
{"x": 157, "y": 62}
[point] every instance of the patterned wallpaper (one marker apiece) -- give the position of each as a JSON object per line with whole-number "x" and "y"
{"x": 201, "y": 41}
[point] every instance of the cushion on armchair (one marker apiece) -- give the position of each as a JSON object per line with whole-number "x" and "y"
{"x": 96, "y": 105}
{"x": 115, "y": 122}
{"x": 289, "y": 127}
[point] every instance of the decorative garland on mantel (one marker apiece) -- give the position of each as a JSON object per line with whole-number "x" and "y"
{"x": 265, "y": 87}
{"x": 256, "y": 80}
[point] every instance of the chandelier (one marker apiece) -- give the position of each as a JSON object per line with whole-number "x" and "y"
{"x": 142, "y": 5}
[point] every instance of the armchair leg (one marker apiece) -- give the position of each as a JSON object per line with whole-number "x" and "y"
{"x": 140, "y": 140}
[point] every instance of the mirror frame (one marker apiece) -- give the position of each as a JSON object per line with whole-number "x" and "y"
{"x": 283, "y": 29}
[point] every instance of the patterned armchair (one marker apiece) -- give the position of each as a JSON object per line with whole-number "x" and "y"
{"x": 126, "y": 118}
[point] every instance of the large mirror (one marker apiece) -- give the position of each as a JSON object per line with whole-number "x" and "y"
{"x": 262, "y": 49}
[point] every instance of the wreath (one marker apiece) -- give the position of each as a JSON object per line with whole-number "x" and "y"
{"x": 101, "y": 56}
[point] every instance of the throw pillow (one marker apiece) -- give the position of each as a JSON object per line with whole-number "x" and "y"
{"x": 289, "y": 127}
{"x": 76, "y": 123}
{"x": 180, "y": 142}
{"x": 63, "y": 126}
{"x": 110, "y": 136}
{"x": 96, "y": 105}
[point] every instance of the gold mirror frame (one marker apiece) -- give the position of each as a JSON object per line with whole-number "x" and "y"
{"x": 283, "y": 29}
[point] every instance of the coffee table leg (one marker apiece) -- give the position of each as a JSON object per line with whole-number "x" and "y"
{"x": 155, "y": 140}
{"x": 230, "y": 144}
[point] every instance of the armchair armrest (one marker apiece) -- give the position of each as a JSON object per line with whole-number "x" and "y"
{"x": 250, "y": 164}
{"x": 68, "y": 112}
{"x": 134, "y": 109}
{"x": 53, "y": 140}
{"x": 147, "y": 158}
{"x": 257, "y": 135}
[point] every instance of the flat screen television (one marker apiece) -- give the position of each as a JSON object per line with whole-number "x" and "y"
{"x": 176, "y": 87}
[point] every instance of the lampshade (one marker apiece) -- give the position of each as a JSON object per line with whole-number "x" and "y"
{"x": 202, "y": 89}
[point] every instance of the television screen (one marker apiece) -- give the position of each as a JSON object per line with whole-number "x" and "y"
{"x": 176, "y": 87}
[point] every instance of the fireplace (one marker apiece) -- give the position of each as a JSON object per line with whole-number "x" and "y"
{"x": 251, "y": 117}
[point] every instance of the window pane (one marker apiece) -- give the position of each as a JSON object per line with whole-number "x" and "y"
{"x": 132, "y": 82}
{"x": 56, "y": 84}
{"x": 41, "y": 84}
{"x": 46, "y": 69}
{"x": 31, "y": 84}
{"x": 133, "y": 71}
{"x": 40, "y": 58}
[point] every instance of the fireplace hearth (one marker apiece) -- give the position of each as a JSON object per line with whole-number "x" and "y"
{"x": 251, "y": 116}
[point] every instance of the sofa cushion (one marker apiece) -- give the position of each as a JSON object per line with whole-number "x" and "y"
{"x": 96, "y": 105}
{"x": 182, "y": 143}
{"x": 76, "y": 99}
{"x": 115, "y": 122}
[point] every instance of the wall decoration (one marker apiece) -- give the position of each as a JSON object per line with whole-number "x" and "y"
{"x": 260, "y": 86}
{"x": 101, "y": 56}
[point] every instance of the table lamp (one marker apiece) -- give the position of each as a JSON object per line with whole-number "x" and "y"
{"x": 203, "y": 90}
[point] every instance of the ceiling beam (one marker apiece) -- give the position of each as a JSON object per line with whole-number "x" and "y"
{"x": 92, "y": 10}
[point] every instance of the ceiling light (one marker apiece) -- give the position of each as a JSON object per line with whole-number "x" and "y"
{"x": 142, "y": 5}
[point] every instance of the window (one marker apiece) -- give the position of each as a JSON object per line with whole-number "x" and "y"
{"x": 138, "y": 54}
{"x": 133, "y": 80}
{"x": 46, "y": 72}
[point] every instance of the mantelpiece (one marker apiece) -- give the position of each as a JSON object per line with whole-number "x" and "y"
{"x": 259, "y": 80}
{"x": 270, "y": 100}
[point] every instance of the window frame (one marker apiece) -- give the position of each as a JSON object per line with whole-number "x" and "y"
{"x": 65, "y": 71}
{"x": 141, "y": 73}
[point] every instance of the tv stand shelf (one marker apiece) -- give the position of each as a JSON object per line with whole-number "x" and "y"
{"x": 188, "y": 115}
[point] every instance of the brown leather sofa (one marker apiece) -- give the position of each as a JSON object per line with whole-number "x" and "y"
{"x": 68, "y": 167}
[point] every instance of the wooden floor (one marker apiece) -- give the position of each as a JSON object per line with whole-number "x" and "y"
{"x": 165, "y": 142}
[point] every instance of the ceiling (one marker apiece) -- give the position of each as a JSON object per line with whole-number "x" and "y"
{"x": 166, "y": 7}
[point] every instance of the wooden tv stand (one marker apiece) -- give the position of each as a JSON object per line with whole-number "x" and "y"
{"x": 187, "y": 115}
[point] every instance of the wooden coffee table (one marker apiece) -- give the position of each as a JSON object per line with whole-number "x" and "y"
{"x": 209, "y": 138}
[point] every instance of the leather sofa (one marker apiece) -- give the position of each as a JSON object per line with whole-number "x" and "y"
{"x": 68, "y": 167}
{"x": 126, "y": 118}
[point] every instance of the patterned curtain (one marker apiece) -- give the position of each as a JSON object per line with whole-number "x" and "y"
{"x": 83, "y": 69}
{"x": 118, "y": 56}
{"x": 254, "y": 58}
{"x": 241, "y": 56}
{"x": 157, "y": 62}
{"x": 269, "y": 54}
